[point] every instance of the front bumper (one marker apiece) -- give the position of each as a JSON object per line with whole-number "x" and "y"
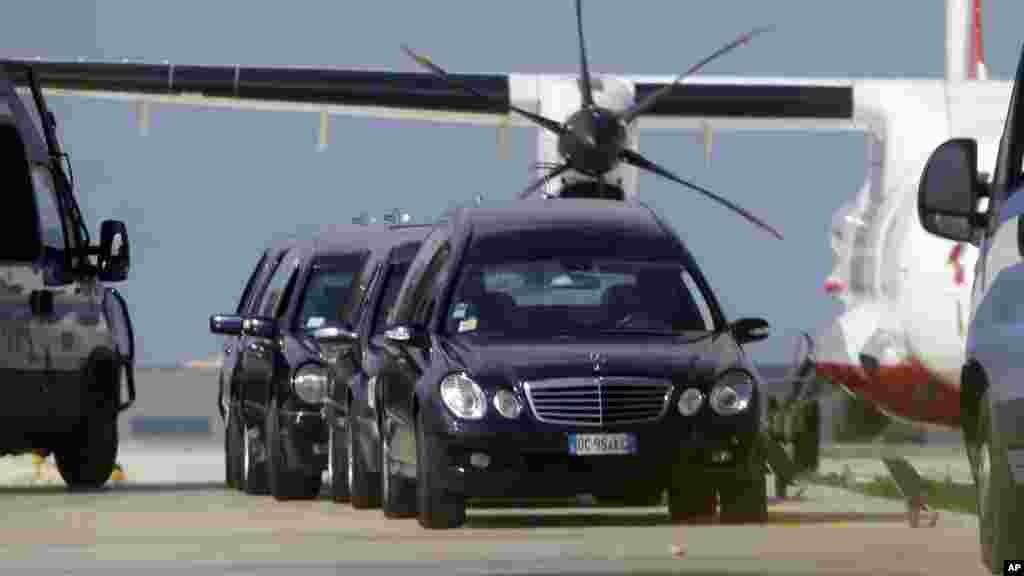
{"x": 530, "y": 459}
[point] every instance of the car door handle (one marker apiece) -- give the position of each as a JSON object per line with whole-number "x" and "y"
{"x": 254, "y": 347}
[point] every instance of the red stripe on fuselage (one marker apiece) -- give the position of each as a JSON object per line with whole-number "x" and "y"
{"x": 901, "y": 390}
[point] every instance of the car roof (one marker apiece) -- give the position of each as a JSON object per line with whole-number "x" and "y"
{"x": 645, "y": 235}
{"x": 348, "y": 238}
{"x": 558, "y": 213}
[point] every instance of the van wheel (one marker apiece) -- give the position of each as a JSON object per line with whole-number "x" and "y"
{"x": 86, "y": 461}
{"x": 998, "y": 497}
{"x": 438, "y": 508}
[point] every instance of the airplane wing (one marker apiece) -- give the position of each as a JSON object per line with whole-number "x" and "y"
{"x": 700, "y": 102}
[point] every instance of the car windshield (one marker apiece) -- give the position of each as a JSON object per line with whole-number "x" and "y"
{"x": 327, "y": 293}
{"x": 572, "y": 297}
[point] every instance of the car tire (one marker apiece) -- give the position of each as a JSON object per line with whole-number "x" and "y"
{"x": 87, "y": 460}
{"x": 364, "y": 486}
{"x": 284, "y": 483}
{"x": 744, "y": 500}
{"x": 691, "y": 495}
{"x": 998, "y": 497}
{"x": 234, "y": 436}
{"x": 398, "y": 495}
{"x": 254, "y": 470}
{"x": 338, "y": 453}
{"x": 438, "y": 508}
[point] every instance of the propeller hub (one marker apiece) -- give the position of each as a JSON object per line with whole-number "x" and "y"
{"x": 594, "y": 141}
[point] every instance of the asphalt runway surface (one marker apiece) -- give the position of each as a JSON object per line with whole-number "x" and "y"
{"x": 172, "y": 515}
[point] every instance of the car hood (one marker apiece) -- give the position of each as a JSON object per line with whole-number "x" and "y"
{"x": 501, "y": 362}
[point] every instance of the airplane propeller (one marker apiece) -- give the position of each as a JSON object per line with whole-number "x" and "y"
{"x": 593, "y": 140}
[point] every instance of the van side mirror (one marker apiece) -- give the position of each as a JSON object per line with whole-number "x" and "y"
{"x": 746, "y": 330}
{"x": 947, "y": 196}
{"x": 115, "y": 253}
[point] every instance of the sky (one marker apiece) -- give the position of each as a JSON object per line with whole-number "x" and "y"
{"x": 207, "y": 187}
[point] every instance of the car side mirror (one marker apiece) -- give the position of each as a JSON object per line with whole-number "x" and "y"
{"x": 115, "y": 251}
{"x": 261, "y": 327}
{"x": 335, "y": 335}
{"x": 947, "y": 196}
{"x": 407, "y": 335}
{"x": 746, "y": 330}
{"x": 225, "y": 324}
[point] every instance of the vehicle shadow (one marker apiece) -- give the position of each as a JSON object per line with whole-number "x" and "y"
{"x": 159, "y": 487}
{"x": 645, "y": 517}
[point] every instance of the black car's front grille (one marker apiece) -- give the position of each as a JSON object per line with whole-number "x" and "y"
{"x": 598, "y": 401}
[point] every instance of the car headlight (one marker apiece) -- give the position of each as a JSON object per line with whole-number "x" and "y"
{"x": 507, "y": 404}
{"x": 463, "y": 396}
{"x": 310, "y": 383}
{"x": 732, "y": 393}
{"x": 690, "y": 401}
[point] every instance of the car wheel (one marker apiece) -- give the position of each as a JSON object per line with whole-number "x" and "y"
{"x": 745, "y": 499}
{"x": 86, "y": 461}
{"x": 234, "y": 451}
{"x": 364, "y": 486}
{"x": 284, "y": 482}
{"x": 438, "y": 508}
{"x": 398, "y": 499}
{"x": 254, "y": 469}
{"x": 691, "y": 495}
{"x": 337, "y": 463}
{"x": 998, "y": 497}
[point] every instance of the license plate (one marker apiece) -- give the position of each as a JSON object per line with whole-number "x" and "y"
{"x": 597, "y": 444}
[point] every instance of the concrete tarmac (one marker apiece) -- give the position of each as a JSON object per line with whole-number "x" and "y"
{"x": 172, "y": 515}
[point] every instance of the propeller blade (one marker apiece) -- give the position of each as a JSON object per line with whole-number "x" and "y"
{"x": 644, "y": 105}
{"x": 634, "y": 158}
{"x": 585, "y": 88}
{"x": 427, "y": 63}
{"x": 543, "y": 180}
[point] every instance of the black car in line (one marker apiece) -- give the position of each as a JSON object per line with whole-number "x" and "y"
{"x": 290, "y": 338}
{"x": 235, "y": 473}
{"x": 353, "y": 408}
{"x": 566, "y": 346}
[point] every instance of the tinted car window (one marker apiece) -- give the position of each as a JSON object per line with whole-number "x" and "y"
{"x": 392, "y": 282}
{"x": 275, "y": 289}
{"x": 504, "y": 292}
{"x": 250, "y": 285}
{"x": 328, "y": 291}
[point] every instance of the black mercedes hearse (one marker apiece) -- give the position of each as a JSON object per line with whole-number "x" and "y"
{"x": 287, "y": 358}
{"x": 561, "y": 347}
